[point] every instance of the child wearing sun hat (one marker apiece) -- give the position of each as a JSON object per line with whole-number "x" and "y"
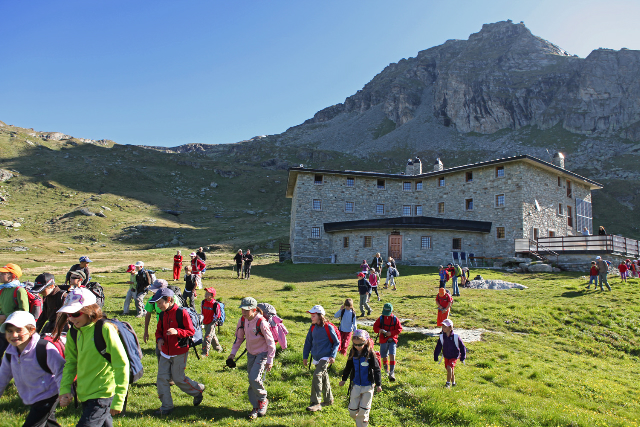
{"x": 452, "y": 349}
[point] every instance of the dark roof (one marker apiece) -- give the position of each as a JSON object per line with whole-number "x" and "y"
{"x": 525, "y": 157}
{"x": 412, "y": 222}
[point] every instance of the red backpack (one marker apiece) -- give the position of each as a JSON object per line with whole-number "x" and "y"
{"x": 328, "y": 325}
{"x": 35, "y": 302}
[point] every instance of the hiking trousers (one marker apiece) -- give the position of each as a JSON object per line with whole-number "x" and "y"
{"x": 320, "y": 385}
{"x": 360, "y": 404}
{"x": 345, "y": 339}
{"x": 239, "y": 270}
{"x": 603, "y": 278}
{"x": 173, "y": 369}
{"x": 96, "y": 413}
{"x": 189, "y": 300}
{"x": 255, "y": 370}
{"x": 131, "y": 294}
{"x": 209, "y": 337}
{"x": 247, "y": 270}
{"x": 43, "y": 413}
{"x": 364, "y": 304}
{"x": 139, "y": 298}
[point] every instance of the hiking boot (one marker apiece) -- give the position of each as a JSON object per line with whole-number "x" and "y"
{"x": 162, "y": 412}
{"x": 253, "y": 414}
{"x": 369, "y": 313}
{"x": 392, "y": 377}
{"x": 447, "y": 385}
{"x": 198, "y": 399}
{"x": 314, "y": 408}
{"x": 453, "y": 384}
{"x": 329, "y": 403}
{"x": 362, "y": 314}
{"x": 262, "y": 407}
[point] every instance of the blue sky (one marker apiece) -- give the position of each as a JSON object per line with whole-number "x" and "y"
{"x": 175, "y": 72}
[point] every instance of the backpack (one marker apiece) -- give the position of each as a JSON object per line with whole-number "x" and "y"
{"x": 178, "y": 293}
{"x": 456, "y": 337}
{"x": 458, "y": 271}
{"x": 219, "y": 321}
{"x": 97, "y": 290}
{"x": 328, "y": 325}
{"x": 194, "y": 340}
{"x": 35, "y": 302}
{"x": 395, "y": 272}
{"x": 258, "y": 330}
{"x": 41, "y": 352}
{"x": 353, "y": 315}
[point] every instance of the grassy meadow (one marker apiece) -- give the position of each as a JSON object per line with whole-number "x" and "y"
{"x": 552, "y": 355}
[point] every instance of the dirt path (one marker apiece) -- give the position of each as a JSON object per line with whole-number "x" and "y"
{"x": 467, "y": 335}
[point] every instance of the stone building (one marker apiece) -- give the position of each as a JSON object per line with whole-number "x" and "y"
{"x": 421, "y": 217}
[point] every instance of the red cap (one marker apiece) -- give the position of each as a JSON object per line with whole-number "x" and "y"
{"x": 211, "y": 291}
{"x": 361, "y": 274}
{"x": 131, "y": 268}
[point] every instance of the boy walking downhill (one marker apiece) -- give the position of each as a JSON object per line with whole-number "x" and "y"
{"x": 10, "y": 286}
{"x": 52, "y": 301}
{"x": 322, "y": 343}
{"x": 389, "y": 327}
{"x": 347, "y": 317}
{"x": 37, "y": 384}
{"x": 364, "y": 289}
{"x": 443, "y": 304}
{"x": 452, "y": 349}
{"x": 364, "y": 371}
{"x": 593, "y": 276}
{"x": 172, "y": 336}
{"x": 210, "y": 310}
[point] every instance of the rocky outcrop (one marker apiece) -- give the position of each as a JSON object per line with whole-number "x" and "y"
{"x": 5, "y": 175}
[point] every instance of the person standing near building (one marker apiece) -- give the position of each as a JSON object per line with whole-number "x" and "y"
{"x": 376, "y": 264}
{"x": 177, "y": 265}
{"x": 602, "y": 231}
{"x": 248, "y": 259}
{"x": 238, "y": 259}
{"x": 83, "y": 266}
{"x": 603, "y": 271}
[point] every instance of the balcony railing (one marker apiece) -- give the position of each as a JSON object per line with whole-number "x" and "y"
{"x": 579, "y": 244}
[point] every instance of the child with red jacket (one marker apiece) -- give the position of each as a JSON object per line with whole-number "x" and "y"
{"x": 177, "y": 265}
{"x": 443, "y": 301}
{"x": 389, "y": 327}
{"x": 173, "y": 353}
{"x": 210, "y": 310}
{"x": 593, "y": 275}
{"x": 622, "y": 268}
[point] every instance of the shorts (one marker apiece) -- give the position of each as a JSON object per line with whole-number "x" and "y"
{"x": 450, "y": 362}
{"x": 388, "y": 348}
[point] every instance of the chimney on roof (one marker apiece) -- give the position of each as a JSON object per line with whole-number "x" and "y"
{"x": 558, "y": 160}
{"x": 409, "y": 169}
{"x": 438, "y": 166}
{"x": 417, "y": 166}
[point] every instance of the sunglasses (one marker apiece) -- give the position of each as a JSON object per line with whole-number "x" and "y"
{"x": 358, "y": 345}
{"x": 76, "y": 315}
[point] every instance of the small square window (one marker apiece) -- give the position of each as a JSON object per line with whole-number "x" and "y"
{"x": 499, "y": 171}
{"x": 468, "y": 204}
{"x": 457, "y": 244}
{"x": 351, "y": 182}
{"x": 560, "y": 211}
{"x": 317, "y": 179}
{"x": 425, "y": 242}
{"x": 500, "y": 233}
{"x": 419, "y": 185}
{"x": 381, "y": 185}
{"x": 552, "y": 233}
{"x": 406, "y": 210}
{"x": 419, "y": 210}
{"x": 315, "y": 232}
{"x": 500, "y": 201}
{"x": 317, "y": 204}
{"x": 468, "y": 177}
{"x": 441, "y": 182}
{"x": 368, "y": 241}
{"x": 441, "y": 208}
{"x": 348, "y": 207}
{"x": 345, "y": 242}
{"x": 380, "y": 209}
{"x": 406, "y": 186}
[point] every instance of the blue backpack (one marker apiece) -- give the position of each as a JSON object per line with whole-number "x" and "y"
{"x": 194, "y": 340}
{"x": 219, "y": 321}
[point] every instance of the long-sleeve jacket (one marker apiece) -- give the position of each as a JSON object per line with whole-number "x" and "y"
{"x": 167, "y": 321}
{"x": 197, "y": 265}
{"x": 8, "y": 304}
{"x": 201, "y": 255}
{"x": 32, "y": 382}
{"x": 390, "y": 324}
{"x": 257, "y": 342}
{"x": 177, "y": 260}
{"x": 373, "y": 374}
{"x": 376, "y": 262}
{"x": 238, "y": 258}
{"x": 77, "y": 267}
{"x": 318, "y": 344}
{"x": 445, "y": 300}
{"x": 50, "y": 306}
{"x": 189, "y": 282}
{"x": 364, "y": 287}
{"x": 209, "y": 311}
{"x": 97, "y": 378}
{"x": 449, "y": 349}
{"x": 603, "y": 267}
{"x": 248, "y": 258}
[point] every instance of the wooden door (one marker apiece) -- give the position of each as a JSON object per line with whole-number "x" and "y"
{"x": 395, "y": 247}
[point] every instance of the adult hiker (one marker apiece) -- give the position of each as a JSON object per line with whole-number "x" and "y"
{"x": 197, "y": 267}
{"x": 238, "y": 259}
{"x": 200, "y": 254}
{"x": 177, "y": 265}
{"x": 83, "y": 266}
{"x": 248, "y": 259}
{"x": 377, "y": 263}
{"x": 10, "y": 286}
{"x": 603, "y": 271}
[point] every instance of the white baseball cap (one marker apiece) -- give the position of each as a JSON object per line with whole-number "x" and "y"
{"x": 317, "y": 309}
{"x": 598, "y": 257}
{"x": 76, "y": 299}
{"x": 447, "y": 322}
{"x": 19, "y": 319}
{"x": 139, "y": 264}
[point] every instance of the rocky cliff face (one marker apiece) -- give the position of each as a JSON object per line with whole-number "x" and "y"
{"x": 504, "y": 77}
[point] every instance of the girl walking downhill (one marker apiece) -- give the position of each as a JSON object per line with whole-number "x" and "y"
{"x": 102, "y": 384}
{"x": 322, "y": 343}
{"x": 347, "y": 316}
{"x": 452, "y": 349}
{"x": 261, "y": 349}
{"x": 373, "y": 281}
{"x": 364, "y": 371}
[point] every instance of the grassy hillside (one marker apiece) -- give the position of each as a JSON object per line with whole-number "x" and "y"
{"x": 552, "y": 355}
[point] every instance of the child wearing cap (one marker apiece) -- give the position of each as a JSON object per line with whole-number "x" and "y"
{"x": 101, "y": 384}
{"x": 322, "y": 343}
{"x": 210, "y": 310}
{"x": 131, "y": 293}
{"x": 452, "y": 349}
{"x": 364, "y": 289}
{"x": 364, "y": 371}
{"x": 348, "y": 321}
{"x": 443, "y": 304}
{"x": 82, "y": 266}
{"x": 389, "y": 327}
{"x": 261, "y": 349}
{"x": 152, "y": 307}
{"x": 52, "y": 301}
{"x": 10, "y": 286}
{"x": 37, "y": 386}
{"x": 173, "y": 352}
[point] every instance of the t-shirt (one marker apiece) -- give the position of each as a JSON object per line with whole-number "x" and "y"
{"x": 151, "y": 306}
{"x": 594, "y": 271}
{"x": 133, "y": 285}
{"x": 444, "y": 301}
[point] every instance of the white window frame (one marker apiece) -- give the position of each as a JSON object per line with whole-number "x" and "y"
{"x": 504, "y": 200}
{"x": 353, "y": 207}
{"x": 313, "y": 204}
{"x": 313, "y": 229}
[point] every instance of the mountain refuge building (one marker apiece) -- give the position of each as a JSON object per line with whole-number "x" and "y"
{"x": 424, "y": 217}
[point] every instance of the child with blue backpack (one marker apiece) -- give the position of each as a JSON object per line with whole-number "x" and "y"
{"x": 452, "y": 349}
{"x": 212, "y": 313}
{"x": 35, "y": 366}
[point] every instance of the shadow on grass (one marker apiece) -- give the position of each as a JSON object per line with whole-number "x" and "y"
{"x": 206, "y": 412}
{"x": 574, "y": 294}
{"x": 296, "y": 318}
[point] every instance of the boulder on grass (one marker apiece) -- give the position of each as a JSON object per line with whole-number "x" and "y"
{"x": 540, "y": 268}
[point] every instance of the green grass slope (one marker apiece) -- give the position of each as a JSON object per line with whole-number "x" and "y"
{"x": 554, "y": 354}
